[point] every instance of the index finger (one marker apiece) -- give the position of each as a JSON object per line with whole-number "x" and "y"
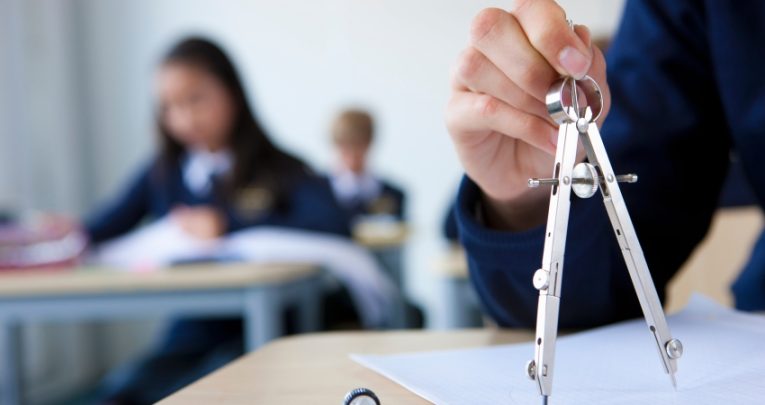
{"x": 548, "y": 31}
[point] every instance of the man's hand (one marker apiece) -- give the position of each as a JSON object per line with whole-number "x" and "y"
{"x": 200, "y": 222}
{"x": 497, "y": 115}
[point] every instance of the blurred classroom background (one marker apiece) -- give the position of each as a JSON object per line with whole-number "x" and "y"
{"x": 77, "y": 118}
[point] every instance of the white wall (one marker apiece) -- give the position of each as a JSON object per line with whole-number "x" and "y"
{"x": 8, "y": 71}
{"x": 40, "y": 160}
{"x": 41, "y": 137}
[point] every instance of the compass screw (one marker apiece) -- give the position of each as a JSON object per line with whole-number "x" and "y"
{"x": 534, "y": 183}
{"x": 541, "y": 280}
{"x": 531, "y": 369}
{"x": 674, "y": 349}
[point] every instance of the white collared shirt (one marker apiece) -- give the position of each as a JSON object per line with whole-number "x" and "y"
{"x": 350, "y": 187}
{"x": 201, "y": 166}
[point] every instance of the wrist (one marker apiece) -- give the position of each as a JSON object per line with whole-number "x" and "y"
{"x": 517, "y": 214}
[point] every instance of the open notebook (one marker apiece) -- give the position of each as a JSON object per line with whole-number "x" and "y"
{"x": 723, "y": 363}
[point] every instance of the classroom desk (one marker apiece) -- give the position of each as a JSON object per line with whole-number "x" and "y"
{"x": 386, "y": 243}
{"x": 457, "y": 298}
{"x": 316, "y": 369}
{"x": 258, "y": 293}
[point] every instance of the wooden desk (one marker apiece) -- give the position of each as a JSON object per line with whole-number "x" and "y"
{"x": 453, "y": 264}
{"x": 380, "y": 236}
{"x": 258, "y": 293}
{"x": 718, "y": 260}
{"x": 316, "y": 369}
{"x": 386, "y": 242}
{"x": 457, "y": 297}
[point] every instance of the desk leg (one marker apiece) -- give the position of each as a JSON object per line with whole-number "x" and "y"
{"x": 262, "y": 317}
{"x": 309, "y": 306}
{"x": 392, "y": 260}
{"x": 10, "y": 361}
{"x": 461, "y": 308}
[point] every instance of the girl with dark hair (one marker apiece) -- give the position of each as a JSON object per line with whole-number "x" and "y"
{"x": 217, "y": 172}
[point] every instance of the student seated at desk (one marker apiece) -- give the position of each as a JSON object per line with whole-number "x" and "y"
{"x": 217, "y": 172}
{"x": 357, "y": 189}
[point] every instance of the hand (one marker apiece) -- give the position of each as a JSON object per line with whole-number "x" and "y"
{"x": 200, "y": 222}
{"x": 497, "y": 116}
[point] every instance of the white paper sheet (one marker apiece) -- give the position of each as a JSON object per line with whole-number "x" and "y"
{"x": 723, "y": 363}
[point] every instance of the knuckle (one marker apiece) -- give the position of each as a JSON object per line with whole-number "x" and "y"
{"x": 535, "y": 16}
{"x": 528, "y": 124}
{"x": 487, "y": 106}
{"x": 548, "y": 38}
{"x": 458, "y": 112}
{"x": 469, "y": 65}
{"x": 484, "y": 23}
{"x": 521, "y": 6}
{"x": 539, "y": 9}
{"x": 452, "y": 113}
{"x": 528, "y": 77}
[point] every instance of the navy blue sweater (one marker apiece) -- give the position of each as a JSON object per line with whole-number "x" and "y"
{"x": 391, "y": 201}
{"x": 309, "y": 205}
{"x": 687, "y": 86}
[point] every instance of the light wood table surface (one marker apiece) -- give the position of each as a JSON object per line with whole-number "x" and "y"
{"x": 316, "y": 368}
{"x": 376, "y": 236}
{"x": 17, "y": 284}
{"x": 258, "y": 293}
{"x": 718, "y": 260}
{"x": 452, "y": 264}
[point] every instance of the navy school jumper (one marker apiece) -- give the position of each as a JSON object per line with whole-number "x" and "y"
{"x": 687, "y": 82}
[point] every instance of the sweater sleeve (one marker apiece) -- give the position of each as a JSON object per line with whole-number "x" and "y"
{"x": 665, "y": 125}
{"x": 122, "y": 213}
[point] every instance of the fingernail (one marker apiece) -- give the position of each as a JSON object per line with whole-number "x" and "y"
{"x": 575, "y": 63}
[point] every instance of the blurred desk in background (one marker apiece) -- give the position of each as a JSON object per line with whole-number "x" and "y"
{"x": 386, "y": 241}
{"x": 258, "y": 293}
{"x": 316, "y": 368}
{"x": 457, "y": 297}
{"x": 718, "y": 259}
{"x": 381, "y": 236}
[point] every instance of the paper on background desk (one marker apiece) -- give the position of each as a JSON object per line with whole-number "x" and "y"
{"x": 723, "y": 363}
{"x": 163, "y": 243}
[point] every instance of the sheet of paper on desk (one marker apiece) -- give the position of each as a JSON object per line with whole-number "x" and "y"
{"x": 723, "y": 363}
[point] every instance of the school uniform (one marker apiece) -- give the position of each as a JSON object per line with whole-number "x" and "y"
{"x": 193, "y": 347}
{"x": 197, "y": 179}
{"x": 686, "y": 89}
{"x": 365, "y": 194}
